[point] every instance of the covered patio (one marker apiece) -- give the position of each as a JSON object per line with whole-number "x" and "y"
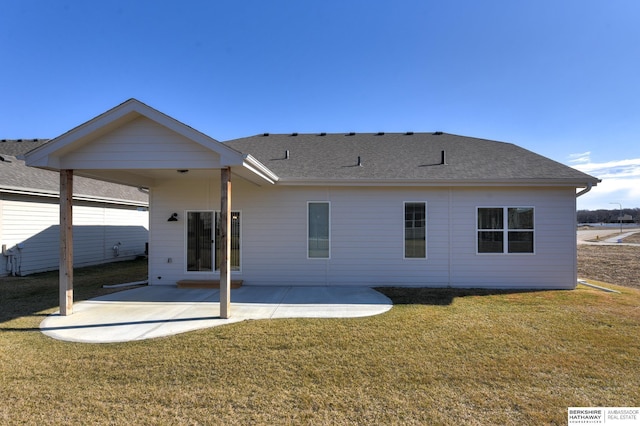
{"x": 134, "y": 144}
{"x": 157, "y": 311}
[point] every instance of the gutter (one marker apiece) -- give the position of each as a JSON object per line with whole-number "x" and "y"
{"x": 432, "y": 183}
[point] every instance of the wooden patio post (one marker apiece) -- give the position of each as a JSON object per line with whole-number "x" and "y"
{"x": 66, "y": 242}
{"x": 225, "y": 240}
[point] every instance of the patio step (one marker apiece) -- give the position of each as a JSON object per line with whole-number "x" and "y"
{"x": 206, "y": 283}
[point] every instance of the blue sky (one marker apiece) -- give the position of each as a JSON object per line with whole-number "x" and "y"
{"x": 561, "y": 78}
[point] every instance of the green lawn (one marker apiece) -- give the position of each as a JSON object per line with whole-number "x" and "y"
{"x": 438, "y": 357}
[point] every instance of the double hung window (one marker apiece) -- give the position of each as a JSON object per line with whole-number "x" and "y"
{"x": 505, "y": 230}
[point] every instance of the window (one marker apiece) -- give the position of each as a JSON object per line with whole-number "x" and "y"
{"x": 415, "y": 225}
{"x": 318, "y": 230}
{"x": 505, "y": 229}
{"x": 490, "y": 230}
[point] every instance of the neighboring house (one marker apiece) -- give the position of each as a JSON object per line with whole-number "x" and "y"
{"x": 111, "y": 220}
{"x": 402, "y": 209}
{"x": 627, "y": 218}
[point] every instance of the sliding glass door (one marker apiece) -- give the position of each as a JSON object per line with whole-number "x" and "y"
{"x": 199, "y": 241}
{"x": 203, "y": 234}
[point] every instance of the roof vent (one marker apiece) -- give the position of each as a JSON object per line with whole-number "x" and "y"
{"x": 286, "y": 154}
{"x": 437, "y": 133}
{"x": 409, "y": 133}
{"x": 35, "y": 140}
{"x": 265, "y": 134}
{"x": 323, "y": 134}
{"x": 4, "y": 160}
{"x": 359, "y": 161}
{"x": 4, "y": 140}
{"x": 380, "y": 133}
{"x": 294, "y": 134}
{"x": 351, "y": 133}
{"x": 443, "y": 159}
{"x": 18, "y": 140}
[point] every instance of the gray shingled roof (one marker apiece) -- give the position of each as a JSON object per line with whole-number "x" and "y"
{"x": 19, "y": 147}
{"x": 403, "y": 157}
{"x": 15, "y": 175}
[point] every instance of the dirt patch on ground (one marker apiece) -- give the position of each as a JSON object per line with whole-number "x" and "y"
{"x": 610, "y": 263}
{"x": 634, "y": 238}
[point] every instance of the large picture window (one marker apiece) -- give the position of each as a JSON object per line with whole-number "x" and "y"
{"x": 505, "y": 230}
{"x": 415, "y": 227}
{"x": 318, "y": 241}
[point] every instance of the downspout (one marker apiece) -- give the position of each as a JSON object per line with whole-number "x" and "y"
{"x": 584, "y": 191}
{"x": 575, "y": 241}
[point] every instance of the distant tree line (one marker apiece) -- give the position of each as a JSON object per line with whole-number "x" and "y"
{"x": 609, "y": 216}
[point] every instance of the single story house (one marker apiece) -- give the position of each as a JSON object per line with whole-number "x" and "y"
{"x": 375, "y": 209}
{"x": 111, "y": 221}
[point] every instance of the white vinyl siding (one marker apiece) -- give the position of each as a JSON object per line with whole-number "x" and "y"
{"x": 367, "y": 235}
{"x": 554, "y": 263}
{"x": 141, "y": 144}
{"x": 32, "y": 223}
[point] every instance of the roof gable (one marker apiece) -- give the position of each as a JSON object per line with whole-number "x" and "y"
{"x": 134, "y": 130}
{"x": 140, "y": 143}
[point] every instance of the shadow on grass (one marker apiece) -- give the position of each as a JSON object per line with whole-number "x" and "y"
{"x": 29, "y": 296}
{"x": 440, "y": 296}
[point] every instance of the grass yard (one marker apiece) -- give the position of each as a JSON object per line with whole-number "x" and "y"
{"x": 447, "y": 357}
{"x": 617, "y": 264}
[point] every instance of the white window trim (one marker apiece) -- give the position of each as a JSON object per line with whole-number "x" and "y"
{"x": 426, "y": 232}
{"x": 307, "y": 233}
{"x": 505, "y": 230}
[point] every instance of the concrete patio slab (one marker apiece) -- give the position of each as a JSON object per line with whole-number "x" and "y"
{"x": 157, "y": 311}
